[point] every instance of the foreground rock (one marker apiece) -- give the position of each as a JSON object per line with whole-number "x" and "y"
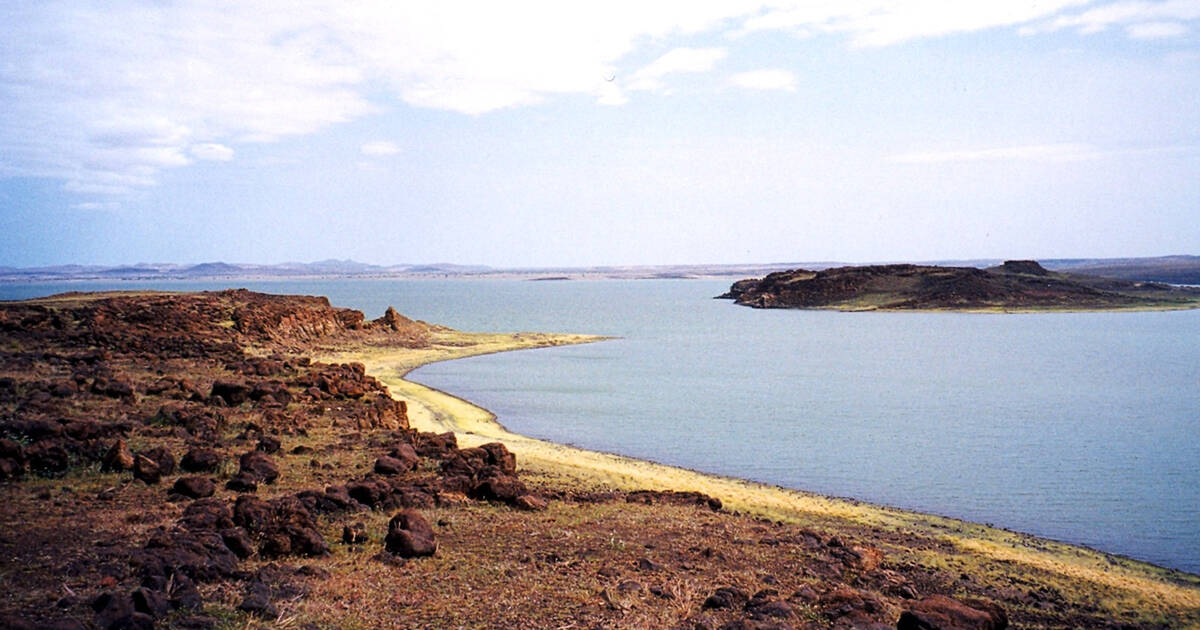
{"x": 410, "y": 536}
{"x": 938, "y": 612}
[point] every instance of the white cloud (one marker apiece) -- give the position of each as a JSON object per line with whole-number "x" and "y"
{"x": 767, "y": 79}
{"x": 679, "y": 60}
{"x": 1156, "y": 30}
{"x": 1062, "y": 152}
{"x": 212, "y": 151}
{"x": 1135, "y": 13}
{"x": 379, "y": 148}
{"x": 104, "y": 96}
{"x": 886, "y": 22}
{"x": 97, "y": 205}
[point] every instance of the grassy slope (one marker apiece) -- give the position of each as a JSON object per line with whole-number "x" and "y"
{"x": 1123, "y": 588}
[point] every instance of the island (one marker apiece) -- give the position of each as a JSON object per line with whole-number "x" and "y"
{"x": 1016, "y": 285}
{"x": 241, "y": 460}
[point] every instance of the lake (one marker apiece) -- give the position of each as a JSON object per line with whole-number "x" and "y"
{"x": 1082, "y": 427}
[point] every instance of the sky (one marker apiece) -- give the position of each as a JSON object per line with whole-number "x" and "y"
{"x": 543, "y": 134}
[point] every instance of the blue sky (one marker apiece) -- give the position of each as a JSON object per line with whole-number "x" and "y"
{"x": 569, "y": 134}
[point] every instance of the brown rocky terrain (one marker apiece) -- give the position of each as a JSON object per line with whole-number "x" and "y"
{"x": 1015, "y": 285}
{"x": 178, "y": 460}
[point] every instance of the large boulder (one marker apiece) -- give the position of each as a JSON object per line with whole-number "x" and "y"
{"x": 938, "y": 612}
{"x": 146, "y": 469}
{"x": 409, "y": 535}
{"x": 194, "y": 487}
{"x": 259, "y": 466}
{"x": 200, "y": 460}
{"x": 232, "y": 392}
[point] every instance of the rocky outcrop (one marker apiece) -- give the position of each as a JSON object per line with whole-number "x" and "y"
{"x": 1015, "y": 284}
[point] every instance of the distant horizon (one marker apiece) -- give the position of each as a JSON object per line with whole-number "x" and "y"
{"x": 333, "y": 262}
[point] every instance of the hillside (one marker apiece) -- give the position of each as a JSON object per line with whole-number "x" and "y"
{"x": 1014, "y": 285}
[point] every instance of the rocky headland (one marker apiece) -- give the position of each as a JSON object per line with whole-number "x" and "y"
{"x": 196, "y": 461}
{"x": 1022, "y": 285}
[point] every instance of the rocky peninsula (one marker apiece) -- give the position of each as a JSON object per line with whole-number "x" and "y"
{"x": 242, "y": 460}
{"x": 1016, "y": 285}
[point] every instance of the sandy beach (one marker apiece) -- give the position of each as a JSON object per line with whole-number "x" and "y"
{"x": 1108, "y": 582}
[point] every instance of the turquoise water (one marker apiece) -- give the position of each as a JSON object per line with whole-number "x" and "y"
{"x": 1082, "y": 427}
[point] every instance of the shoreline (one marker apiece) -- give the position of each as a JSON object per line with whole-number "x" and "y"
{"x": 1128, "y": 583}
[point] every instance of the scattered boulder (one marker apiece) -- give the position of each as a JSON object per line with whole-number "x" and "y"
{"x": 355, "y": 534}
{"x": 258, "y": 601}
{"x": 150, "y": 602}
{"x": 200, "y": 422}
{"x": 283, "y": 526}
{"x": 200, "y": 460}
{"x": 146, "y": 470}
{"x": 233, "y": 393}
{"x": 112, "y": 388}
{"x": 387, "y": 465}
{"x": 726, "y": 597}
{"x": 194, "y": 487}
{"x": 12, "y": 459}
{"x": 48, "y": 457}
{"x": 333, "y": 499}
{"x": 163, "y": 457}
{"x": 409, "y": 535}
{"x": 530, "y": 503}
{"x": 118, "y": 458}
{"x": 268, "y": 444}
{"x": 254, "y": 467}
{"x": 439, "y": 445}
{"x": 938, "y": 612}
{"x": 670, "y": 497}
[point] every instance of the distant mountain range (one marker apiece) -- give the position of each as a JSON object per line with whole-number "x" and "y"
{"x": 1170, "y": 269}
{"x": 220, "y": 270}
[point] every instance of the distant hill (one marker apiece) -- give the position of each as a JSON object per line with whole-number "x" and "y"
{"x": 1014, "y": 285}
{"x": 1172, "y": 269}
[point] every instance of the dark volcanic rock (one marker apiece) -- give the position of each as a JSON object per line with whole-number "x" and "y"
{"x": 258, "y": 466}
{"x": 670, "y": 497}
{"x": 12, "y": 459}
{"x": 499, "y": 487}
{"x": 48, "y": 457}
{"x": 258, "y": 601}
{"x": 387, "y": 465}
{"x": 355, "y": 534}
{"x": 1015, "y": 284}
{"x": 283, "y": 526}
{"x": 200, "y": 460}
{"x": 409, "y": 535}
{"x": 530, "y": 503}
{"x": 440, "y": 445}
{"x": 938, "y": 612}
{"x": 201, "y": 555}
{"x": 118, "y": 457}
{"x": 727, "y": 597}
{"x": 268, "y": 444}
{"x": 146, "y": 469}
{"x": 233, "y": 393}
{"x": 194, "y": 487}
{"x": 164, "y": 459}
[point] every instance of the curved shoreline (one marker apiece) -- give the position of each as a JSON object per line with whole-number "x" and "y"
{"x": 1127, "y": 584}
